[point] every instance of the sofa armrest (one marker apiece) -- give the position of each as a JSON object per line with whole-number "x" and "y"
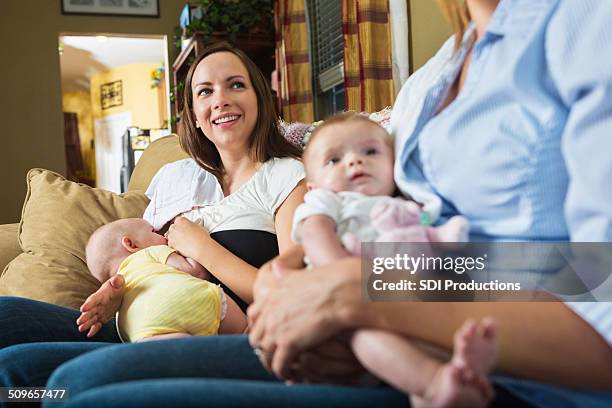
{"x": 9, "y": 245}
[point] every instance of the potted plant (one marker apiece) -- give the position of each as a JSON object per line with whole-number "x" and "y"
{"x": 227, "y": 19}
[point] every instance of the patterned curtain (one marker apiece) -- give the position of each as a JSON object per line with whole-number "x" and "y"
{"x": 292, "y": 61}
{"x": 368, "y": 74}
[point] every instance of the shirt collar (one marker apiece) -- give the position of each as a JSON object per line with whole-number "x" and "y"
{"x": 516, "y": 16}
{"x": 499, "y": 20}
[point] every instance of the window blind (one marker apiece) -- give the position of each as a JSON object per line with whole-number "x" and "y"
{"x": 326, "y": 42}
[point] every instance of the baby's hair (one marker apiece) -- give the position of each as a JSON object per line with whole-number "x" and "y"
{"x": 105, "y": 241}
{"x": 344, "y": 117}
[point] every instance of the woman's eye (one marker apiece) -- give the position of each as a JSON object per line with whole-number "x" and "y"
{"x": 371, "y": 151}
{"x": 204, "y": 91}
{"x": 332, "y": 161}
{"x": 237, "y": 85}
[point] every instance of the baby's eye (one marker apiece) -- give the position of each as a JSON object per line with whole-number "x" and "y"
{"x": 237, "y": 85}
{"x": 371, "y": 151}
{"x": 332, "y": 161}
{"x": 204, "y": 91}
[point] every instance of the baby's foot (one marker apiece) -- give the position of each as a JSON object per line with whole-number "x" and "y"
{"x": 463, "y": 381}
{"x": 451, "y": 387}
{"x": 475, "y": 348}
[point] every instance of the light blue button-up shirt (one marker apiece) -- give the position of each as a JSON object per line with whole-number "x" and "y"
{"x": 525, "y": 150}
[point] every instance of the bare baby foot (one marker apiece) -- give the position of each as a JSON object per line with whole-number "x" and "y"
{"x": 451, "y": 387}
{"x": 475, "y": 348}
{"x": 463, "y": 381}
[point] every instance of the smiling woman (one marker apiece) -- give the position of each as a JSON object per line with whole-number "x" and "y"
{"x": 244, "y": 181}
{"x": 235, "y": 79}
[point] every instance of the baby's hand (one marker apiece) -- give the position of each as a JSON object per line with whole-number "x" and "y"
{"x": 197, "y": 270}
{"x": 101, "y": 305}
{"x": 187, "y": 265}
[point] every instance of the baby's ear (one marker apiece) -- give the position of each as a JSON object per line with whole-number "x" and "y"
{"x": 310, "y": 186}
{"x": 128, "y": 244}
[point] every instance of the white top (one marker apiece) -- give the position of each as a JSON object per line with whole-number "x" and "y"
{"x": 350, "y": 211}
{"x": 184, "y": 187}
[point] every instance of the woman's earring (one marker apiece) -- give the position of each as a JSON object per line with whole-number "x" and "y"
{"x": 197, "y": 125}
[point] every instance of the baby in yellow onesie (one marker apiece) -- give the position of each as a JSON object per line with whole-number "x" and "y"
{"x": 166, "y": 295}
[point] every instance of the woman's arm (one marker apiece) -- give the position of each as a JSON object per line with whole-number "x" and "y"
{"x": 290, "y": 254}
{"x": 540, "y": 341}
{"x": 193, "y": 241}
{"x": 543, "y": 341}
{"x": 283, "y": 219}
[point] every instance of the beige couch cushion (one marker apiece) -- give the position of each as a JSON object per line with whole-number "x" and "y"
{"x": 57, "y": 219}
{"x": 9, "y": 246}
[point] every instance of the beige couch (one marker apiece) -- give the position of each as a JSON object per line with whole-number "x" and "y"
{"x": 162, "y": 151}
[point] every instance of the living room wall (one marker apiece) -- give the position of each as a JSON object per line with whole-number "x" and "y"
{"x": 138, "y": 97}
{"x": 428, "y": 30}
{"x": 31, "y": 100}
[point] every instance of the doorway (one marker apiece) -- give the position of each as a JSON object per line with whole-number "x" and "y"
{"x": 111, "y": 83}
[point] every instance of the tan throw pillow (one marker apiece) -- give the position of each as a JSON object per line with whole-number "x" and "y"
{"x": 57, "y": 219}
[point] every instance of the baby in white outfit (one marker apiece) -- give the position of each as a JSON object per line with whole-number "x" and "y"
{"x": 349, "y": 174}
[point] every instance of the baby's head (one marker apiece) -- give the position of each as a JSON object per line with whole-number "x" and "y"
{"x": 110, "y": 244}
{"x": 350, "y": 152}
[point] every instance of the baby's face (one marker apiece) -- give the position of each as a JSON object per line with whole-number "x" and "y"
{"x": 351, "y": 156}
{"x": 145, "y": 236}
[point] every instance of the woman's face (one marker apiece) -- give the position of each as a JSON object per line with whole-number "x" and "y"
{"x": 224, "y": 101}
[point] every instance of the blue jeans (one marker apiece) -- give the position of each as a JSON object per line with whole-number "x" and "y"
{"x": 38, "y": 339}
{"x": 546, "y": 395}
{"x": 218, "y": 371}
{"x": 27, "y": 321}
{"x": 210, "y": 371}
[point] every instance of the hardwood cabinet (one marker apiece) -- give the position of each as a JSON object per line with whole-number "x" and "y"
{"x": 259, "y": 47}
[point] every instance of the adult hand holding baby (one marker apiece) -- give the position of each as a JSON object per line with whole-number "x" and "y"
{"x": 187, "y": 237}
{"x": 271, "y": 273}
{"x": 301, "y": 313}
{"x": 101, "y": 306}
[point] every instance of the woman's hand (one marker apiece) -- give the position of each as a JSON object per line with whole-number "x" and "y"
{"x": 332, "y": 362}
{"x": 101, "y": 306}
{"x": 304, "y": 311}
{"x": 265, "y": 282}
{"x": 268, "y": 278}
{"x": 187, "y": 237}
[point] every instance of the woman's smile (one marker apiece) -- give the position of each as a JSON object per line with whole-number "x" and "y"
{"x": 226, "y": 120}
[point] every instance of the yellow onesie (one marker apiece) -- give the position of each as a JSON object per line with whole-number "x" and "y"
{"x": 160, "y": 299}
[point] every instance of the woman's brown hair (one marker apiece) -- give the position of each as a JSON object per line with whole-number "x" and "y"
{"x": 266, "y": 140}
{"x": 458, "y": 15}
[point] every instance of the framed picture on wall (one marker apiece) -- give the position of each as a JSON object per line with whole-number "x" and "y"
{"x": 128, "y": 8}
{"x": 111, "y": 94}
